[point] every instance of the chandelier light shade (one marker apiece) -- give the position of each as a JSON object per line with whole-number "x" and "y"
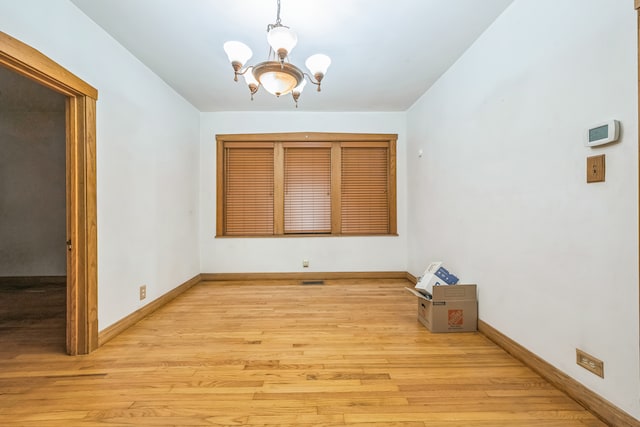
{"x": 277, "y": 75}
{"x": 238, "y": 54}
{"x": 298, "y": 90}
{"x": 278, "y": 79}
{"x": 251, "y": 82}
{"x": 282, "y": 40}
{"x": 318, "y": 65}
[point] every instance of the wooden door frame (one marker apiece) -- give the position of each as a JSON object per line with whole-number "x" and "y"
{"x": 82, "y": 259}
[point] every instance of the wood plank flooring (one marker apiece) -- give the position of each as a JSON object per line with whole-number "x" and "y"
{"x": 32, "y": 317}
{"x": 349, "y": 353}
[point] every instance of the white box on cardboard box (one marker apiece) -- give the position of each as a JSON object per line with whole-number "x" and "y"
{"x": 435, "y": 275}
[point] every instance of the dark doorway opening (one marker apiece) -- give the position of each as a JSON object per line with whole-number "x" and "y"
{"x": 33, "y": 215}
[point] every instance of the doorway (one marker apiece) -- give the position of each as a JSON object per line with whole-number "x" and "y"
{"x": 80, "y": 187}
{"x": 33, "y": 214}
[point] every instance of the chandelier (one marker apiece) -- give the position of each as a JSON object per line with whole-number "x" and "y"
{"x": 277, "y": 75}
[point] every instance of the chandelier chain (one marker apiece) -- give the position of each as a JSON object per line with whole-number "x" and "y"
{"x": 278, "y": 21}
{"x": 278, "y": 16}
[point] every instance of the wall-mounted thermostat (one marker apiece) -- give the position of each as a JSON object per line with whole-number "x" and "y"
{"x": 603, "y": 133}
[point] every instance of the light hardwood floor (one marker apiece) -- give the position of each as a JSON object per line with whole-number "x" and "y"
{"x": 349, "y": 353}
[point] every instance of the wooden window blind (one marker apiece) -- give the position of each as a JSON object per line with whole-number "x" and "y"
{"x": 309, "y": 184}
{"x": 307, "y": 190}
{"x": 365, "y": 201}
{"x": 248, "y": 190}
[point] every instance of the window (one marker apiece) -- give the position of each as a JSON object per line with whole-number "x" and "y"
{"x": 365, "y": 196}
{"x": 307, "y": 189}
{"x": 309, "y": 184}
{"x": 248, "y": 189}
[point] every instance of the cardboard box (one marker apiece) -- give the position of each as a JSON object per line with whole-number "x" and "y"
{"x": 452, "y": 308}
{"x": 435, "y": 275}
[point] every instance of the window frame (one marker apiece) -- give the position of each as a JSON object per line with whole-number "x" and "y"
{"x": 280, "y": 140}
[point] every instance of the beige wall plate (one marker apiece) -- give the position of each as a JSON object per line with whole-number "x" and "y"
{"x": 590, "y": 363}
{"x": 595, "y": 168}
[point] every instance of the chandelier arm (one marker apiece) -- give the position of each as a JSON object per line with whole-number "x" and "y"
{"x": 311, "y": 79}
{"x": 240, "y": 72}
{"x": 316, "y": 80}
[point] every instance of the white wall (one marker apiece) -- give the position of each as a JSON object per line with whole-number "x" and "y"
{"x": 229, "y": 255}
{"x": 147, "y": 155}
{"x": 500, "y": 194}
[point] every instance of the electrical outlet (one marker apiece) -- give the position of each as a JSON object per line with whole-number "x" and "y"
{"x": 143, "y": 292}
{"x": 305, "y": 263}
{"x": 590, "y": 363}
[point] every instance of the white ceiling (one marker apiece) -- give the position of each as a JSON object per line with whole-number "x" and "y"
{"x": 385, "y": 54}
